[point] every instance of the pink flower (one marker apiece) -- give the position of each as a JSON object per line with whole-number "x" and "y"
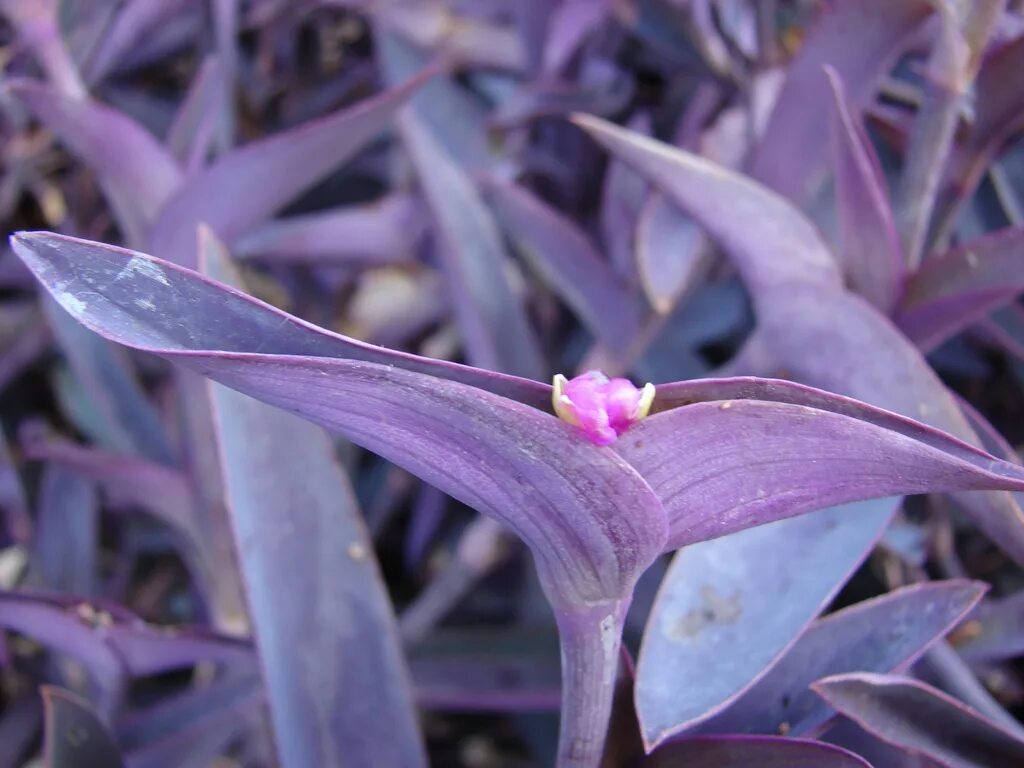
{"x": 603, "y": 408}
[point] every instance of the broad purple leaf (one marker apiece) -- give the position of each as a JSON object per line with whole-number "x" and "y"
{"x": 712, "y": 635}
{"x": 622, "y": 196}
{"x": 793, "y": 146}
{"x": 75, "y": 735}
{"x": 953, "y": 290}
{"x": 67, "y": 531}
{"x": 384, "y": 231}
{"x": 717, "y": 198}
{"x": 749, "y": 751}
{"x": 325, "y": 605}
{"x": 247, "y": 321}
{"x": 247, "y": 185}
{"x": 870, "y": 249}
{"x": 920, "y": 719}
{"x": 861, "y": 354}
{"x": 492, "y": 317}
{"x": 762, "y": 473}
{"x": 138, "y": 175}
{"x": 878, "y": 635}
{"x": 566, "y": 259}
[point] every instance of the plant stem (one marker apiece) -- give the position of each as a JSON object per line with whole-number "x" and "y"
{"x": 590, "y": 637}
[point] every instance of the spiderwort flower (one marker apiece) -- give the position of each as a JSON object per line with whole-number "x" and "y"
{"x": 594, "y": 519}
{"x": 603, "y": 408}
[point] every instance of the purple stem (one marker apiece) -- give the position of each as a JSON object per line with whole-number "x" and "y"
{"x": 590, "y": 637}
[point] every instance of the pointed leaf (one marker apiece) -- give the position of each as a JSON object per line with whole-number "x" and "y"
{"x": 76, "y": 737}
{"x": 879, "y": 635}
{"x": 920, "y": 719}
{"x": 750, "y": 751}
{"x": 793, "y": 147}
{"x": 567, "y": 260}
{"x": 247, "y": 321}
{"x": 953, "y": 290}
{"x": 196, "y": 109}
{"x": 246, "y": 186}
{"x": 492, "y": 318}
{"x": 533, "y": 479}
{"x": 783, "y": 459}
{"x": 671, "y": 252}
{"x": 315, "y": 591}
{"x": 870, "y": 250}
{"x": 712, "y": 634}
{"x": 775, "y": 245}
{"x": 861, "y": 354}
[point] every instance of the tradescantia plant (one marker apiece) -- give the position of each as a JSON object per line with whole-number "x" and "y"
{"x": 713, "y": 457}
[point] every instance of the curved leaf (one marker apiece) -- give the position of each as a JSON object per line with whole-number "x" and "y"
{"x": 749, "y": 751}
{"x": 920, "y": 719}
{"x": 870, "y": 247}
{"x": 878, "y": 635}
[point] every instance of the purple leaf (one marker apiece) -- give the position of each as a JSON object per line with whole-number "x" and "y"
{"x": 878, "y": 635}
{"x": 749, "y": 751}
{"x": 325, "y": 605}
{"x": 17, "y": 523}
{"x": 953, "y": 290}
{"x": 75, "y": 736}
{"x": 492, "y": 318}
{"x": 67, "y": 531}
{"x": 793, "y": 146}
{"x": 247, "y": 185}
{"x": 717, "y": 198}
{"x": 253, "y": 323}
{"x": 922, "y": 720}
{"x": 136, "y": 172}
{"x": 671, "y": 253}
{"x": 384, "y": 231}
{"x": 700, "y": 653}
{"x": 566, "y": 259}
{"x": 761, "y": 473}
{"x": 870, "y": 249}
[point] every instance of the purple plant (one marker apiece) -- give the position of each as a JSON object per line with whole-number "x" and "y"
{"x": 396, "y": 221}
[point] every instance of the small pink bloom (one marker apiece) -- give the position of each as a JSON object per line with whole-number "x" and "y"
{"x": 603, "y": 408}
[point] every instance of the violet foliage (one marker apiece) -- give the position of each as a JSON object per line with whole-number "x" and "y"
{"x": 350, "y": 522}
